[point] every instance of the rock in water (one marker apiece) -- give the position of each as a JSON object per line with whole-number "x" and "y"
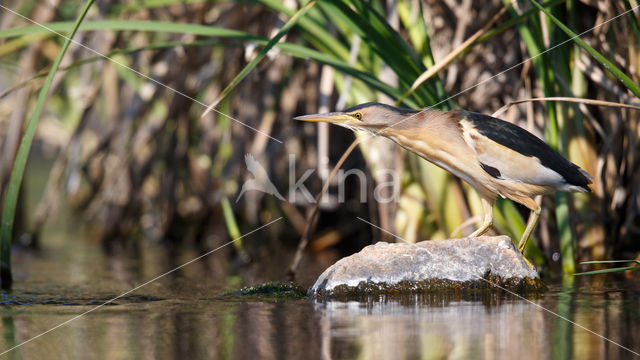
{"x": 458, "y": 264}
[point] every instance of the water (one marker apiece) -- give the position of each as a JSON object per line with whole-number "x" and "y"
{"x": 183, "y": 316}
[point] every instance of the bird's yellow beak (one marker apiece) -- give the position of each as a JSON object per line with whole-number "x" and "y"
{"x": 332, "y": 117}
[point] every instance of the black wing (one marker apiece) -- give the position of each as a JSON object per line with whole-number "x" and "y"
{"x": 527, "y": 144}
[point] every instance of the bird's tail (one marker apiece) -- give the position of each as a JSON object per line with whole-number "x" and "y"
{"x": 586, "y": 174}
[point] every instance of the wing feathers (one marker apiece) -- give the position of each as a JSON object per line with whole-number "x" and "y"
{"x": 518, "y": 155}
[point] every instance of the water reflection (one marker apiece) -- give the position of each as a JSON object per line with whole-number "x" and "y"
{"x": 504, "y": 327}
{"x": 457, "y": 329}
{"x": 183, "y": 316}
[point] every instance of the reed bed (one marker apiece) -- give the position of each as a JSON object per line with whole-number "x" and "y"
{"x": 137, "y": 155}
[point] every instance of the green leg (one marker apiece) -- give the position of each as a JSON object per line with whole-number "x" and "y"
{"x": 487, "y": 207}
{"x": 531, "y": 224}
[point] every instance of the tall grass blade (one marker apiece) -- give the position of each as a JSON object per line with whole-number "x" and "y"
{"x": 421, "y": 41}
{"x": 632, "y": 19}
{"x": 232, "y": 225}
{"x": 567, "y": 246}
{"x": 9, "y": 209}
{"x": 247, "y": 69}
{"x": 314, "y": 28}
{"x": 465, "y": 46}
{"x": 607, "y": 271}
{"x": 609, "y": 262}
{"x": 621, "y": 76}
{"x": 384, "y": 42}
{"x": 133, "y": 25}
{"x": 515, "y": 20}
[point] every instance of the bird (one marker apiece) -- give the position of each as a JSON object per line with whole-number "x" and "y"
{"x": 494, "y": 156}
{"x": 260, "y": 179}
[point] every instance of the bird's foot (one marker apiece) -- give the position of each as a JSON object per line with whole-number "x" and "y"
{"x": 529, "y": 264}
{"x": 483, "y": 229}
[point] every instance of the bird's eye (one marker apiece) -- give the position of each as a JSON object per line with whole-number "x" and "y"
{"x": 358, "y": 116}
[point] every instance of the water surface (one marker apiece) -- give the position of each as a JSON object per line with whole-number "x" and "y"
{"x": 184, "y": 316}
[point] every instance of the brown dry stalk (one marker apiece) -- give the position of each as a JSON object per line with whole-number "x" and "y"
{"x": 567, "y": 99}
{"x": 451, "y": 56}
{"x": 304, "y": 240}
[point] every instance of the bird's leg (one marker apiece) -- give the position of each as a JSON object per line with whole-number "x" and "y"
{"x": 487, "y": 207}
{"x": 531, "y": 224}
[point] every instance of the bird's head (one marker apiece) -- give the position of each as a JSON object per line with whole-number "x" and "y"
{"x": 370, "y": 116}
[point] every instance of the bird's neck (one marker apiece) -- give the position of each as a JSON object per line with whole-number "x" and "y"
{"x": 430, "y": 133}
{"x": 420, "y": 121}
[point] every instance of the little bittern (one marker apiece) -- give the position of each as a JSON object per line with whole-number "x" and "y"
{"x": 494, "y": 156}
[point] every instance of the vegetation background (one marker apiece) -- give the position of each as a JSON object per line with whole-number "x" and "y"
{"x": 123, "y": 146}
